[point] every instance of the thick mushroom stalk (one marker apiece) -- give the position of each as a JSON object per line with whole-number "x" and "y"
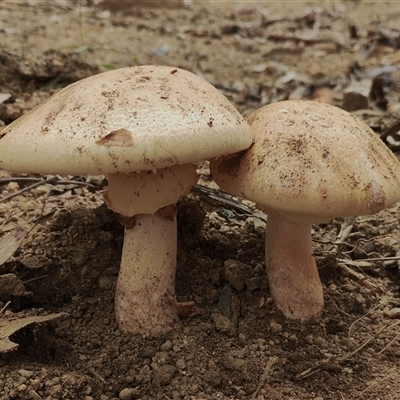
{"x": 144, "y": 299}
{"x": 291, "y": 269}
{"x": 146, "y": 281}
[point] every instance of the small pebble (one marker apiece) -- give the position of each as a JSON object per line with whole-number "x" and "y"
{"x": 180, "y": 364}
{"x": 128, "y": 394}
{"x": 25, "y": 373}
{"x": 393, "y": 313}
{"x": 164, "y": 374}
{"x": 320, "y": 341}
{"x": 221, "y": 323}
{"x": 22, "y": 388}
{"x": 167, "y": 346}
{"x": 275, "y": 327}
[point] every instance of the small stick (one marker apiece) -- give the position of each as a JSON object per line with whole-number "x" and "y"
{"x": 19, "y": 179}
{"x": 382, "y": 259}
{"x": 4, "y": 308}
{"x": 98, "y": 376}
{"x": 310, "y": 371}
{"x": 35, "y": 279}
{"x": 390, "y": 131}
{"x": 380, "y": 381}
{"x": 226, "y": 198}
{"x": 359, "y": 319}
{"x": 265, "y": 376}
{"x": 39, "y": 182}
{"x": 30, "y": 187}
{"x": 388, "y": 345}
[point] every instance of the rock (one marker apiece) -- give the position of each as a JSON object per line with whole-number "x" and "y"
{"x": 167, "y": 346}
{"x": 275, "y": 327}
{"x": 237, "y": 273}
{"x": 222, "y": 323}
{"x": 11, "y": 285}
{"x": 254, "y": 283}
{"x": 128, "y": 394}
{"x": 225, "y": 301}
{"x": 181, "y": 364}
{"x": 393, "y": 313}
{"x": 106, "y": 281}
{"x": 235, "y": 364}
{"x": 25, "y": 373}
{"x": 164, "y": 374}
{"x": 149, "y": 352}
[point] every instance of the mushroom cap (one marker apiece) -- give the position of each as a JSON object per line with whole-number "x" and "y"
{"x": 311, "y": 162}
{"x": 125, "y": 120}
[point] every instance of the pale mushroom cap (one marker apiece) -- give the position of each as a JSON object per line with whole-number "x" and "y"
{"x": 129, "y": 119}
{"x": 311, "y": 162}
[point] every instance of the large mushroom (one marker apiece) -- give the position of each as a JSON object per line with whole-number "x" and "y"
{"x": 144, "y": 127}
{"x": 309, "y": 162}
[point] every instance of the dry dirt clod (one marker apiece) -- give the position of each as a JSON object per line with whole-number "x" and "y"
{"x": 222, "y": 323}
{"x": 237, "y": 273}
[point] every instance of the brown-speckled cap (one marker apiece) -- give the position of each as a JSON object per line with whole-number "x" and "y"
{"x": 311, "y": 162}
{"x": 129, "y": 119}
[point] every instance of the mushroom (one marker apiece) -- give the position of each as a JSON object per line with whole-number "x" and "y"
{"x": 309, "y": 162}
{"x": 144, "y": 127}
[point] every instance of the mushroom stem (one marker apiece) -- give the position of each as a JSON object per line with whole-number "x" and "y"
{"x": 146, "y": 281}
{"x": 291, "y": 269}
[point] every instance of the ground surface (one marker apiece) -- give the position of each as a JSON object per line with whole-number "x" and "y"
{"x": 255, "y": 53}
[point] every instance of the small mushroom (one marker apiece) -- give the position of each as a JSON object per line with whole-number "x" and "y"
{"x": 309, "y": 162}
{"x": 144, "y": 127}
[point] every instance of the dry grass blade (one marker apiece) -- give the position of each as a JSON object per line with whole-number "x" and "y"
{"x": 38, "y": 182}
{"x": 10, "y": 243}
{"x": 228, "y": 200}
{"x": 30, "y": 187}
{"x": 380, "y": 381}
{"x": 310, "y": 371}
{"x": 265, "y": 376}
{"x": 359, "y": 277}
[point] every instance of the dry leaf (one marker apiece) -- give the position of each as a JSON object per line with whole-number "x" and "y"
{"x": 9, "y": 327}
{"x": 4, "y": 97}
{"x": 10, "y": 243}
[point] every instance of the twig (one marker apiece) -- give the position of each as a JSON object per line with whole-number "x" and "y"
{"x": 39, "y": 182}
{"x": 310, "y": 371}
{"x": 98, "y": 376}
{"x": 339, "y": 309}
{"x": 35, "y": 279}
{"x": 265, "y": 376}
{"x": 388, "y": 345}
{"x": 4, "y": 308}
{"x": 359, "y": 319}
{"x": 17, "y": 193}
{"x": 382, "y": 258}
{"x": 380, "y": 381}
{"x": 363, "y": 279}
{"x": 35, "y": 395}
{"x": 365, "y": 263}
{"x": 227, "y": 199}
{"x": 390, "y": 131}
{"x": 19, "y": 179}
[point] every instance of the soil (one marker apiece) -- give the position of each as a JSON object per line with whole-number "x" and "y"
{"x": 238, "y": 346}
